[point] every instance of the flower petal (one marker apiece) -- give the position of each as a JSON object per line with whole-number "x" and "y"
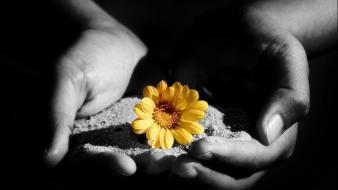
{"x": 177, "y": 84}
{"x": 153, "y": 131}
{"x": 180, "y": 105}
{"x": 141, "y": 125}
{"x": 152, "y": 143}
{"x": 193, "y": 95}
{"x": 178, "y": 90}
{"x": 147, "y": 105}
{"x": 140, "y": 113}
{"x": 192, "y": 127}
{"x": 168, "y": 94}
{"x": 181, "y": 102}
{"x": 200, "y": 105}
{"x": 169, "y": 139}
{"x": 184, "y": 92}
{"x": 191, "y": 98}
{"x": 192, "y": 115}
{"x": 156, "y": 143}
{"x": 181, "y": 135}
{"x": 161, "y": 136}
{"x": 151, "y": 92}
{"x": 161, "y": 87}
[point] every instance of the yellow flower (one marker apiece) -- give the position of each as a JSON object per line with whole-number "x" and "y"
{"x": 168, "y": 113}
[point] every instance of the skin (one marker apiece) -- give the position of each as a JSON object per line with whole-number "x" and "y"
{"x": 275, "y": 44}
{"x": 91, "y": 75}
{"x": 96, "y": 70}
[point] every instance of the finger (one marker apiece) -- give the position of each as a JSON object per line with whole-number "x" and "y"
{"x": 289, "y": 100}
{"x": 191, "y": 169}
{"x": 63, "y": 109}
{"x": 282, "y": 110}
{"x": 112, "y": 162}
{"x": 154, "y": 161}
{"x": 250, "y": 155}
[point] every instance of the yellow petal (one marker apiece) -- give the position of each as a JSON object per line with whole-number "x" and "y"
{"x": 180, "y": 102}
{"x": 161, "y": 87}
{"x": 156, "y": 143}
{"x": 178, "y": 88}
{"x": 153, "y": 131}
{"x": 169, "y": 139}
{"x": 168, "y": 94}
{"x": 200, "y": 105}
{"x": 177, "y": 84}
{"x": 166, "y": 138}
{"x": 192, "y": 115}
{"x": 151, "y": 92}
{"x": 181, "y": 135}
{"x": 140, "y": 113}
{"x": 191, "y": 98}
{"x": 181, "y": 105}
{"x": 183, "y": 93}
{"x": 147, "y": 105}
{"x": 193, "y": 95}
{"x": 192, "y": 127}
{"x": 161, "y": 136}
{"x": 140, "y": 126}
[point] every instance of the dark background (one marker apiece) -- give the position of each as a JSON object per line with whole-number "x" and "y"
{"x": 33, "y": 35}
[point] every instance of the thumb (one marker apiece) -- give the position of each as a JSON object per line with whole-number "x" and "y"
{"x": 284, "y": 108}
{"x": 290, "y": 98}
{"x": 64, "y": 105}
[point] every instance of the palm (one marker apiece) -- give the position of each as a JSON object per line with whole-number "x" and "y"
{"x": 100, "y": 65}
{"x": 92, "y": 75}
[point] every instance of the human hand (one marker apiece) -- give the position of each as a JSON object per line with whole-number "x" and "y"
{"x": 90, "y": 76}
{"x": 250, "y": 60}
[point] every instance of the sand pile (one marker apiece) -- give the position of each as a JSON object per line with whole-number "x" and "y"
{"x": 110, "y": 130}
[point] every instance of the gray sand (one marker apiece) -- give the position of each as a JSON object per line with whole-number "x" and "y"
{"x": 110, "y": 130}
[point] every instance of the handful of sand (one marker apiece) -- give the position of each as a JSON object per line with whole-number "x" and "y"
{"x": 110, "y": 130}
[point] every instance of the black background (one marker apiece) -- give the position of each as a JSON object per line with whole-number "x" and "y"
{"x": 33, "y": 35}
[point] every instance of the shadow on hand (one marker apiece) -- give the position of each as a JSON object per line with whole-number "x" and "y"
{"x": 121, "y": 136}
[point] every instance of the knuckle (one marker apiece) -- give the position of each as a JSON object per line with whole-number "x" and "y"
{"x": 302, "y": 104}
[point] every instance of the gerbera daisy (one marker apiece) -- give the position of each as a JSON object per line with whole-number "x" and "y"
{"x": 170, "y": 113}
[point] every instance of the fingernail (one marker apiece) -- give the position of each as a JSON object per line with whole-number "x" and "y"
{"x": 202, "y": 149}
{"x": 160, "y": 162}
{"x": 205, "y": 156}
{"x": 187, "y": 172}
{"x": 274, "y": 128}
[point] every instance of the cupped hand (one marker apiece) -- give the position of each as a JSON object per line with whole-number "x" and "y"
{"x": 90, "y": 76}
{"x": 248, "y": 56}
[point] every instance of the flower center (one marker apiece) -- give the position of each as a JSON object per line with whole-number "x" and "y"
{"x": 165, "y": 116}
